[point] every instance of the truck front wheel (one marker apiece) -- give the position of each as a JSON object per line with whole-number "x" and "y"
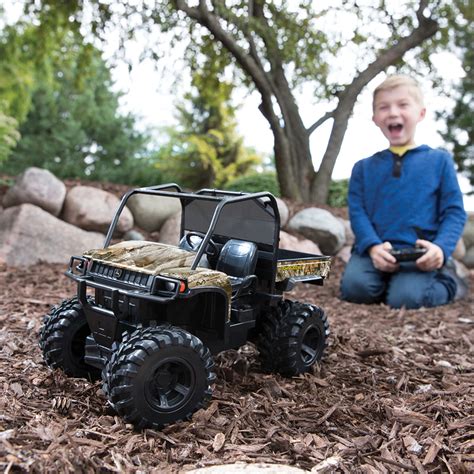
{"x": 159, "y": 375}
{"x": 63, "y": 338}
{"x": 293, "y": 338}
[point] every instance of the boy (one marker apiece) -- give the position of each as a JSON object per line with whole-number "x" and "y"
{"x": 404, "y": 196}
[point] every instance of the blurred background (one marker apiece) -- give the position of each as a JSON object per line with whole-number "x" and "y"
{"x": 237, "y": 95}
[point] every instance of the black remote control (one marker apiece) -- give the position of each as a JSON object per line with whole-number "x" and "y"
{"x": 408, "y": 254}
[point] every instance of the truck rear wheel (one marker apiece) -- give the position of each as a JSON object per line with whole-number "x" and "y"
{"x": 159, "y": 375}
{"x": 63, "y": 338}
{"x": 293, "y": 338}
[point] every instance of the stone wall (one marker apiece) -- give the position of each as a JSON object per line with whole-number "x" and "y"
{"x": 43, "y": 221}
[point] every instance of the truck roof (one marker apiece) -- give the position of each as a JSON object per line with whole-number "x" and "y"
{"x": 225, "y": 215}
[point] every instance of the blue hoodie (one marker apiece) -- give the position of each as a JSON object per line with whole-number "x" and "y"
{"x": 390, "y": 205}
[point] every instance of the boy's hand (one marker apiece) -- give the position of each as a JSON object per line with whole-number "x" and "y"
{"x": 432, "y": 259}
{"x": 382, "y": 259}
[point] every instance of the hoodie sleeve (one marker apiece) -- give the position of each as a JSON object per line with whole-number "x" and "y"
{"x": 452, "y": 215}
{"x": 365, "y": 235}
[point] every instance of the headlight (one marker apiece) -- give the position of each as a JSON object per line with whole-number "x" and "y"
{"x": 169, "y": 286}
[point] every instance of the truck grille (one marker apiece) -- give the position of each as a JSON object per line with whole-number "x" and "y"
{"x": 121, "y": 274}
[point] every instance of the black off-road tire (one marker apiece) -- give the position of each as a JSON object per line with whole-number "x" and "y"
{"x": 63, "y": 337}
{"x": 158, "y": 375}
{"x": 293, "y": 338}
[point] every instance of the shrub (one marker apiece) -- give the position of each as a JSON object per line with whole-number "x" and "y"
{"x": 254, "y": 183}
{"x": 338, "y": 190}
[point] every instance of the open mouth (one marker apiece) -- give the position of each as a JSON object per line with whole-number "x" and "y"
{"x": 395, "y": 128}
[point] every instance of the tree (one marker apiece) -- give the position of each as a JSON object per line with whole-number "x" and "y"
{"x": 266, "y": 41}
{"x": 73, "y": 127}
{"x": 205, "y": 150}
{"x": 8, "y": 135}
{"x": 72, "y": 124}
{"x": 459, "y": 123}
{"x": 276, "y": 47}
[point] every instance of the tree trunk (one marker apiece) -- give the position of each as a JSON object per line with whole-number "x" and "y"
{"x": 297, "y": 177}
{"x": 427, "y": 27}
{"x": 322, "y": 179}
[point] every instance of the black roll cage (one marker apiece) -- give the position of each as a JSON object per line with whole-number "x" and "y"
{"x": 223, "y": 199}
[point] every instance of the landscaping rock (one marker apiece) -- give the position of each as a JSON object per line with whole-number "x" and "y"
{"x": 468, "y": 234}
{"x": 150, "y": 212}
{"x": 38, "y": 187}
{"x": 93, "y": 209}
{"x": 345, "y": 253}
{"x": 169, "y": 233}
{"x": 321, "y": 227}
{"x": 133, "y": 235}
{"x": 284, "y": 212}
{"x": 468, "y": 259}
{"x": 28, "y": 235}
{"x": 460, "y": 250}
{"x": 349, "y": 235}
{"x": 290, "y": 242}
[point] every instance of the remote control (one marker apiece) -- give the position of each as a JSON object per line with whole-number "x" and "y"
{"x": 408, "y": 254}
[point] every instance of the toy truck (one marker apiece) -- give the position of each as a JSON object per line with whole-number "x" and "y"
{"x": 147, "y": 316}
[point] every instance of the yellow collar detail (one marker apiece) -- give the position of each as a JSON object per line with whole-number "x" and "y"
{"x": 401, "y": 150}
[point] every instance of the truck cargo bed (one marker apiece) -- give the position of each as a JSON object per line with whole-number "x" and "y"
{"x": 301, "y": 266}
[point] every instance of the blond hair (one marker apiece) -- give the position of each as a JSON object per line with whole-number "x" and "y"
{"x": 399, "y": 80}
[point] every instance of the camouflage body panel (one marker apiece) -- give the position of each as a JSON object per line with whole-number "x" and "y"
{"x": 160, "y": 259}
{"x": 147, "y": 257}
{"x": 306, "y": 267}
{"x": 201, "y": 277}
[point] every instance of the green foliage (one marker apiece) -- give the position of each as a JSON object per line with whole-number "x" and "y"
{"x": 140, "y": 171}
{"x": 72, "y": 127}
{"x": 459, "y": 132}
{"x": 254, "y": 183}
{"x": 277, "y": 47}
{"x": 205, "y": 149}
{"x": 16, "y": 73}
{"x": 338, "y": 193}
{"x": 8, "y": 135}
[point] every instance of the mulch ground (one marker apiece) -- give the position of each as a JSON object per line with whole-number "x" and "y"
{"x": 394, "y": 394}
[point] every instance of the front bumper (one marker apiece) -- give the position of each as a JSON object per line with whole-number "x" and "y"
{"x": 104, "y": 320}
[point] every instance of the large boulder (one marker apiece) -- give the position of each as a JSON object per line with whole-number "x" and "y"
{"x": 459, "y": 251}
{"x": 93, "y": 209}
{"x": 345, "y": 253}
{"x": 290, "y": 242}
{"x": 349, "y": 235}
{"x": 39, "y": 187}
{"x": 468, "y": 259}
{"x": 150, "y": 212}
{"x": 133, "y": 235}
{"x": 468, "y": 234}
{"x": 321, "y": 227}
{"x": 283, "y": 211}
{"x": 28, "y": 235}
{"x": 169, "y": 233}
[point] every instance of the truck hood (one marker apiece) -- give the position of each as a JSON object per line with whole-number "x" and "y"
{"x": 160, "y": 259}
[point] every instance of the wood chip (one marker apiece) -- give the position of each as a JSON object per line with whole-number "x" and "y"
{"x": 433, "y": 449}
{"x": 219, "y": 441}
{"x": 368, "y": 410}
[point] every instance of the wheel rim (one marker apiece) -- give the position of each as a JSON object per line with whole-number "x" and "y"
{"x": 78, "y": 345}
{"x": 310, "y": 345}
{"x": 171, "y": 385}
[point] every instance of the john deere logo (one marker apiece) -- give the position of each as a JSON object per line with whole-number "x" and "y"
{"x": 117, "y": 273}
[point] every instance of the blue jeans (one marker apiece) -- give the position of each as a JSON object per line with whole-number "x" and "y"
{"x": 409, "y": 287}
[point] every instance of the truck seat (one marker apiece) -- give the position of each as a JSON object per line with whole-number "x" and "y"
{"x": 238, "y": 259}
